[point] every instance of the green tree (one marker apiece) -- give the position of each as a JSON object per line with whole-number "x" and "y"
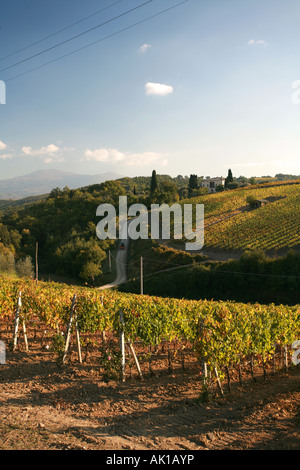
{"x": 24, "y": 268}
{"x": 90, "y": 271}
{"x": 193, "y": 182}
{"x": 229, "y": 179}
{"x": 168, "y": 193}
{"x": 79, "y": 257}
{"x": 7, "y": 260}
{"x": 154, "y": 184}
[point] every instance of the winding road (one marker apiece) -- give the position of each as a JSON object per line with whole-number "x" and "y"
{"x": 121, "y": 264}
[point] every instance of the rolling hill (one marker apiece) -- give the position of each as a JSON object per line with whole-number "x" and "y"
{"x": 231, "y": 224}
{"x": 43, "y": 181}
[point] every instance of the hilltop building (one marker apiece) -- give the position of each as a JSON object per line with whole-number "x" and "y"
{"x": 213, "y": 183}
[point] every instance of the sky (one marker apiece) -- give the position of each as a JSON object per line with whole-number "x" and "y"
{"x": 128, "y": 86}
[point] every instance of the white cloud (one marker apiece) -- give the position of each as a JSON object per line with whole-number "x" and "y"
{"x": 50, "y": 150}
{"x": 50, "y": 153}
{"x": 104, "y": 155}
{"x": 257, "y": 42}
{"x": 5, "y": 156}
{"x": 144, "y": 48}
{"x": 114, "y": 156}
{"x": 158, "y": 89}
{"x": 2, "y": 145}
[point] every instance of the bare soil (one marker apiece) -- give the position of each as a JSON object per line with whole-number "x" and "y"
{"x": 48, "y": 407}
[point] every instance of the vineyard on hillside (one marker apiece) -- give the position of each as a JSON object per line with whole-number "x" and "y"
{"x": 219, "y": 334}
{"x": 230, "y": 224}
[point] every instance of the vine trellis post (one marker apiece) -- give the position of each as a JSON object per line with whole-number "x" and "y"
{"x": 17, "y": 319}
{"x": 103, "y": 332}
{"x": 218, "y": 381}
{"x": 72, "y": 318}
{"x": 122, "y": 345}
{"x": 131, "y": 349}
{"x": 135, "y": 358}
{"x": 16, "y": 324}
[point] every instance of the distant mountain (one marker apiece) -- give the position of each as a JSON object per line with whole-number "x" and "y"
{"x": 43, "y": 181}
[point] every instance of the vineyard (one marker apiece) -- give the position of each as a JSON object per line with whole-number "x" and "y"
{"x": 230, "y": 224}
{"x": 219, "y": 336}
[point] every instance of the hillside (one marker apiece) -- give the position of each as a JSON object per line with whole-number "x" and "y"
{"x": 64, "y": 226}
{"x": 11, "y": 204}
{"x": 232, "y": 225}
{"x": 249, "y": 255}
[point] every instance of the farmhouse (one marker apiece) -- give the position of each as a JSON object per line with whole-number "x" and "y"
{"x": 213, "y": 183}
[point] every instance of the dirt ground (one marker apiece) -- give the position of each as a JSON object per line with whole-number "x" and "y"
{"x": 48, "y": 407}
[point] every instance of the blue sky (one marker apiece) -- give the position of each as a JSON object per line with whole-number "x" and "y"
{"x": 202, "y": 88}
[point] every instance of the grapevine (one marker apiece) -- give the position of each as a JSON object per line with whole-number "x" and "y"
{"x": 220, "y": 333}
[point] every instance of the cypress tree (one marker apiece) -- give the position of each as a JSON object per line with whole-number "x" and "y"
{"x": 154, "y": 184}
{"x": 229, "y": 178}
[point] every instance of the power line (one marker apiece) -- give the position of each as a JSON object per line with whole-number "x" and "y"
{"x": 215, "y": 271}
{"x": 227, "y": 272}
{"x": 59, "y": 31}
{"x": 164, "y": 262}
{"x": 76, "y": 36}
{"x": 98, "y": 41}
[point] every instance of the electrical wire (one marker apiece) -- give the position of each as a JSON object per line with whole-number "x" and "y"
{"x": 77, "y": 36}
{"x": 163, "y": 262}
{"x": 59, "y": 31}
{"x": 97, "y": 41}
{"x": 212, "y": 271}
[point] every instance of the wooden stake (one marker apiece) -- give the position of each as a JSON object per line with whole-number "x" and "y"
{"x": 135, "y": 359}
{"x": 25, "y": 335}
{"x": 36, "y": 263}
{"x": 17, "y": 319}
{"x": 69, "y": 328}
{"x": 218, "y": 382}
{"x": 142, "y": 277}
{"x": 122, "y": 345}
{"x": 204, "y": 372}
{"x": 78, "y": 342}
{"x": 285, "y": 358}
{"x": 103, "y": 332}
